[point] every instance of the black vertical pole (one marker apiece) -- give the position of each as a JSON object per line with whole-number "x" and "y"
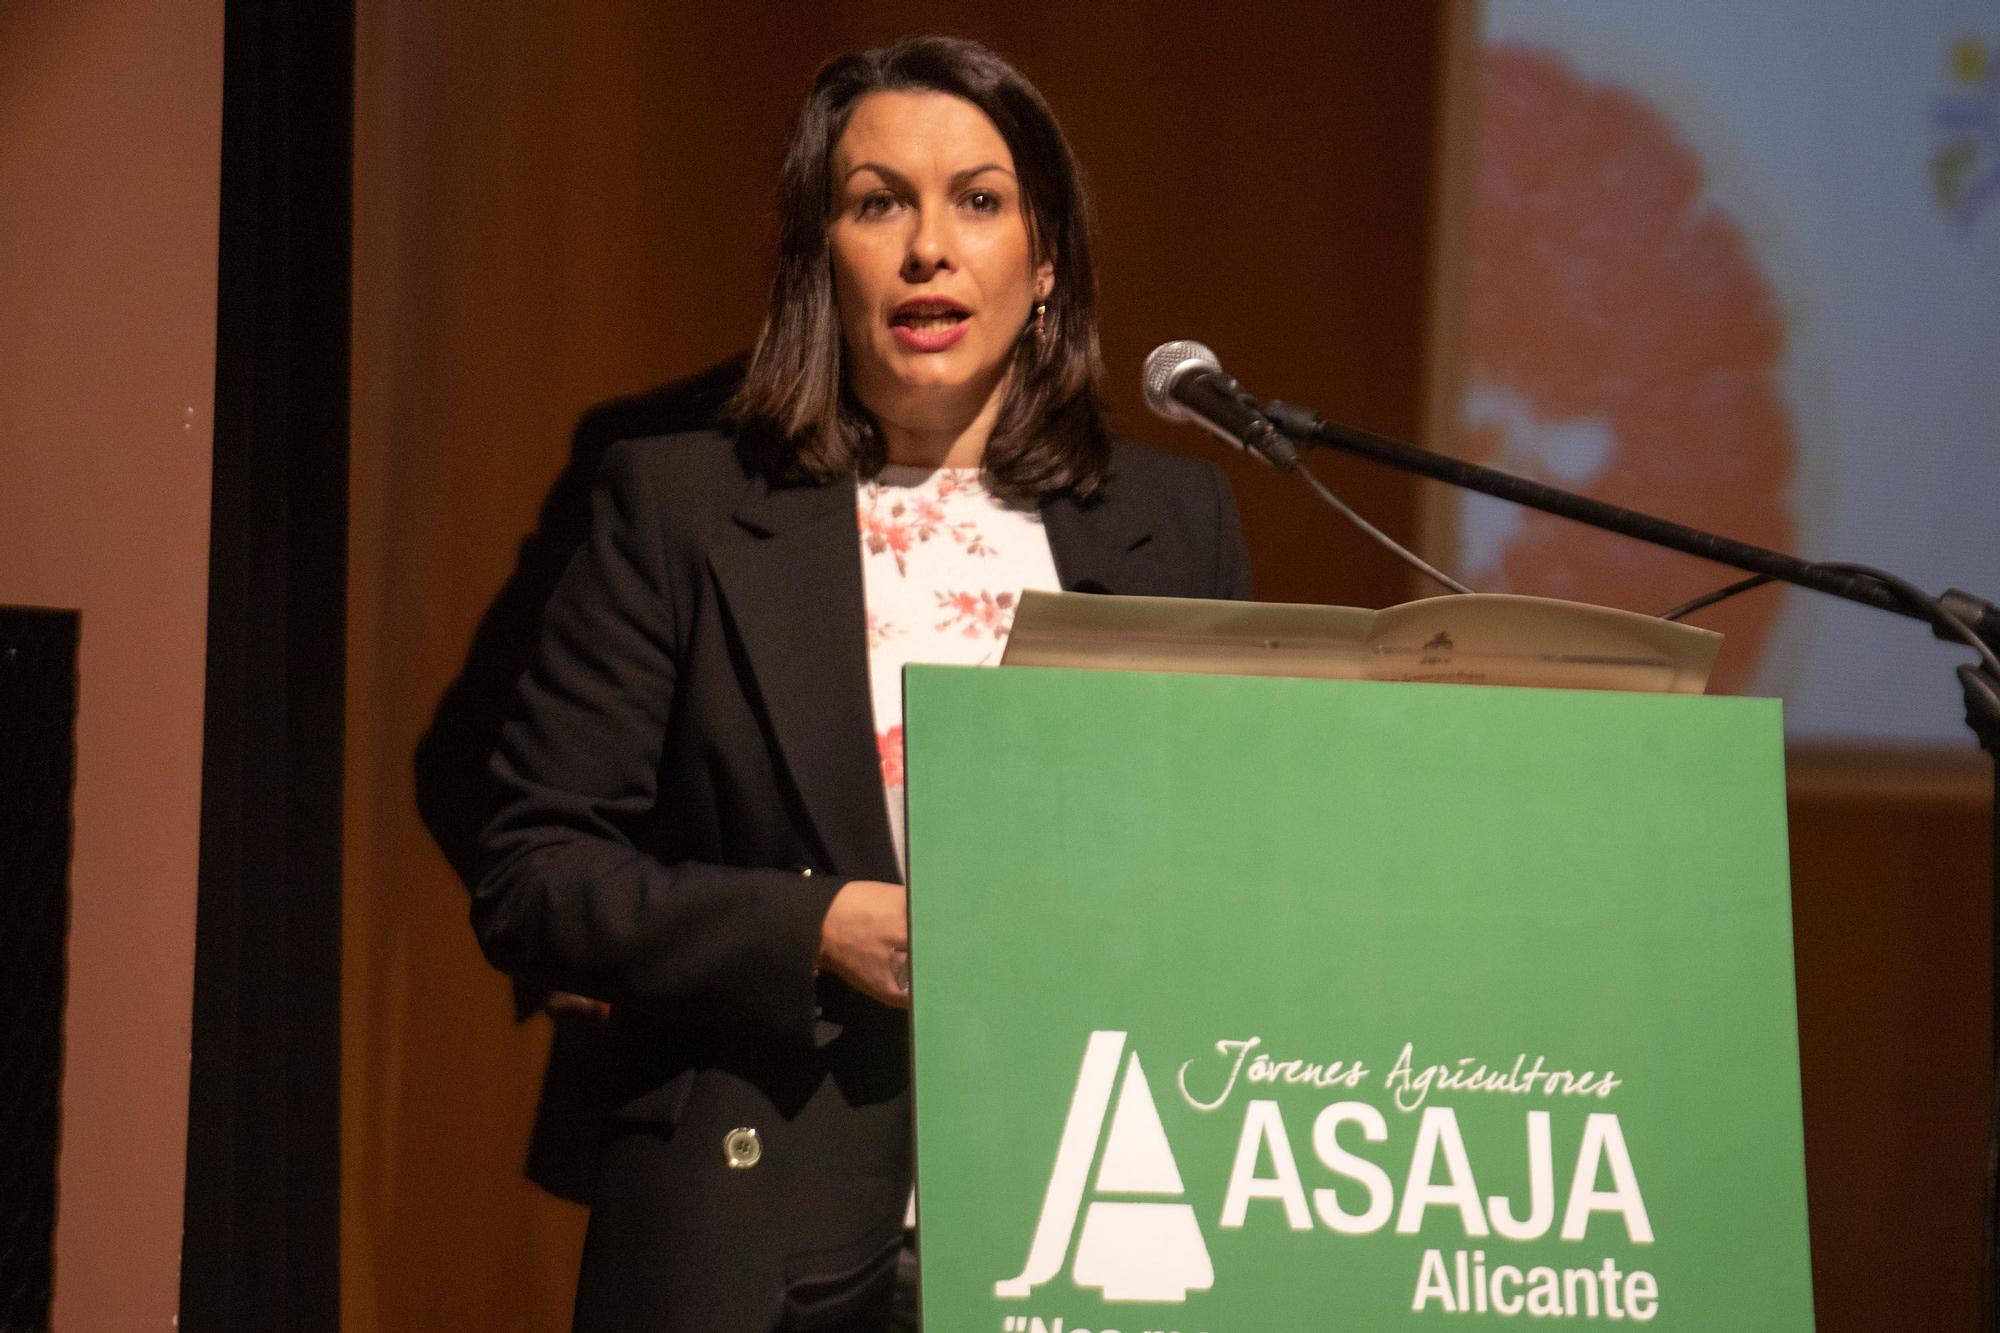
{"x": 1989, "y": 1273}
{"x": 1982, "y": 714}
{"x": 261, "y": 1249}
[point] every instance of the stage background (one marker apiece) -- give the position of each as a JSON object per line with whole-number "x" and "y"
{"x": 556, "y": 206}
{"x": 110, "y": 167}
{"x": 1740, "y": 264}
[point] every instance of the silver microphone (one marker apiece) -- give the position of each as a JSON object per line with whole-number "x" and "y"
{"x": 1184, "y": 382}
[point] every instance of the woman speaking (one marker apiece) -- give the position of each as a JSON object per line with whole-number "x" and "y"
{"x": 702, "y": 779}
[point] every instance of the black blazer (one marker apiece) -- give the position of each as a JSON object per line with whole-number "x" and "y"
{"x": 688, "y": 779}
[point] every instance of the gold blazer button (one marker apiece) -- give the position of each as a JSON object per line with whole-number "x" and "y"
{"x": 742, "y": 1149}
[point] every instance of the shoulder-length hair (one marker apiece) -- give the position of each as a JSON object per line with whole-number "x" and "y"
{"x": 795, "y": 416}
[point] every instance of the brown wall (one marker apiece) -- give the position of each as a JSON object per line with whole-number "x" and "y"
{"x": 1892, "y": 923}
{"x": 555, "y": 206}
{"x": 110, "y": 151}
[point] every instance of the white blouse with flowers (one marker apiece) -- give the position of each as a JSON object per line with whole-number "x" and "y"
{"x": 944, "y": 562}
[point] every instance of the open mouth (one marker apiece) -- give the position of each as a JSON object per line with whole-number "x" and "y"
{"x": 929, "y": 316}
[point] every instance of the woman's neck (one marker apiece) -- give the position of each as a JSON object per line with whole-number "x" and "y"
{"x": 943, "y": 440}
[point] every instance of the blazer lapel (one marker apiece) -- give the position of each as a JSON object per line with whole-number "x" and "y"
{"x": 794, "y": 596}
{"x": 1099, "y": 547}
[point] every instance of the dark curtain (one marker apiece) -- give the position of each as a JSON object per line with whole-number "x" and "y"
{"x": 263, "y": 1183}
{"x": 38, "y": 685}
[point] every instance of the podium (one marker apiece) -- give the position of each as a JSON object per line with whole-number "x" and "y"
{"x": 1262, "y": 1004}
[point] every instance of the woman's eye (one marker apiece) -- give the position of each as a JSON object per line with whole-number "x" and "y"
{"x": 874, "y": 205}
{"x": 983, "y": 201}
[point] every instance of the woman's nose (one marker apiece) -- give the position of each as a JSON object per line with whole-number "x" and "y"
{"x": 930, "y": 247}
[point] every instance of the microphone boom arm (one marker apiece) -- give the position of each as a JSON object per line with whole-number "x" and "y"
{"x": 1308, "y": 427}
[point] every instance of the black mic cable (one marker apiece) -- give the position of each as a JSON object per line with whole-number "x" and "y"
{"x": 1184, "y": 381}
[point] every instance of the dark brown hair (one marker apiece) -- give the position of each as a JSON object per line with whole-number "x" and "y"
{"x": 797, "y": 420}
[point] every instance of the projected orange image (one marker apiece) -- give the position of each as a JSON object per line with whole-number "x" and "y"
{"x": 1622, "y": 342}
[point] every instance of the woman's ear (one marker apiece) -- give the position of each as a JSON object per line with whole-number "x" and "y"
{"x": 1045, "y": 279}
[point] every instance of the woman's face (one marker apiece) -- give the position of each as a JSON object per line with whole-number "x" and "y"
{"x": 931, "y": 261}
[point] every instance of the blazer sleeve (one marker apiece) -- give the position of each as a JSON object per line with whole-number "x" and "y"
{"x": 567, "y": 893}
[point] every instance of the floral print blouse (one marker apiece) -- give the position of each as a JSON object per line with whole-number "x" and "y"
{"x": 944, "y": 561}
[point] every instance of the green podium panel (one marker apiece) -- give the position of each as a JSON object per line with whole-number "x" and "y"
{"x": 1253, "y": 1004}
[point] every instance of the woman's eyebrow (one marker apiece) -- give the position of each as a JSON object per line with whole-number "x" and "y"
{"x": 970, "y": 173}
{"x": 889, "y": 174}
{"x": 901, "y": 182}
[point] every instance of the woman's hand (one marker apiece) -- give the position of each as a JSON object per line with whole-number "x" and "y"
{"x": 865, "y": 940}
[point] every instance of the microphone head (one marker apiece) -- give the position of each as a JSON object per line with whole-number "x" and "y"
{"x": 1167, "y": 363}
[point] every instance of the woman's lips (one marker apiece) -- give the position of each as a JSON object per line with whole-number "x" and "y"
{"x": 931, "y": 335}
{"x": 929, "y": 326}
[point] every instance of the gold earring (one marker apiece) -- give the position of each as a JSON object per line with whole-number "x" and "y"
{"x": 1041, "y": 318}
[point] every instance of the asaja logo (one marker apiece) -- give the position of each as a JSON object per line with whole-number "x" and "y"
{"x": 1142, "y": 1249}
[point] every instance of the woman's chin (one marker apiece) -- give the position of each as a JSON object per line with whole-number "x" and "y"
{"x": 947, "y": 370}
{"x": 937, "y": 387}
